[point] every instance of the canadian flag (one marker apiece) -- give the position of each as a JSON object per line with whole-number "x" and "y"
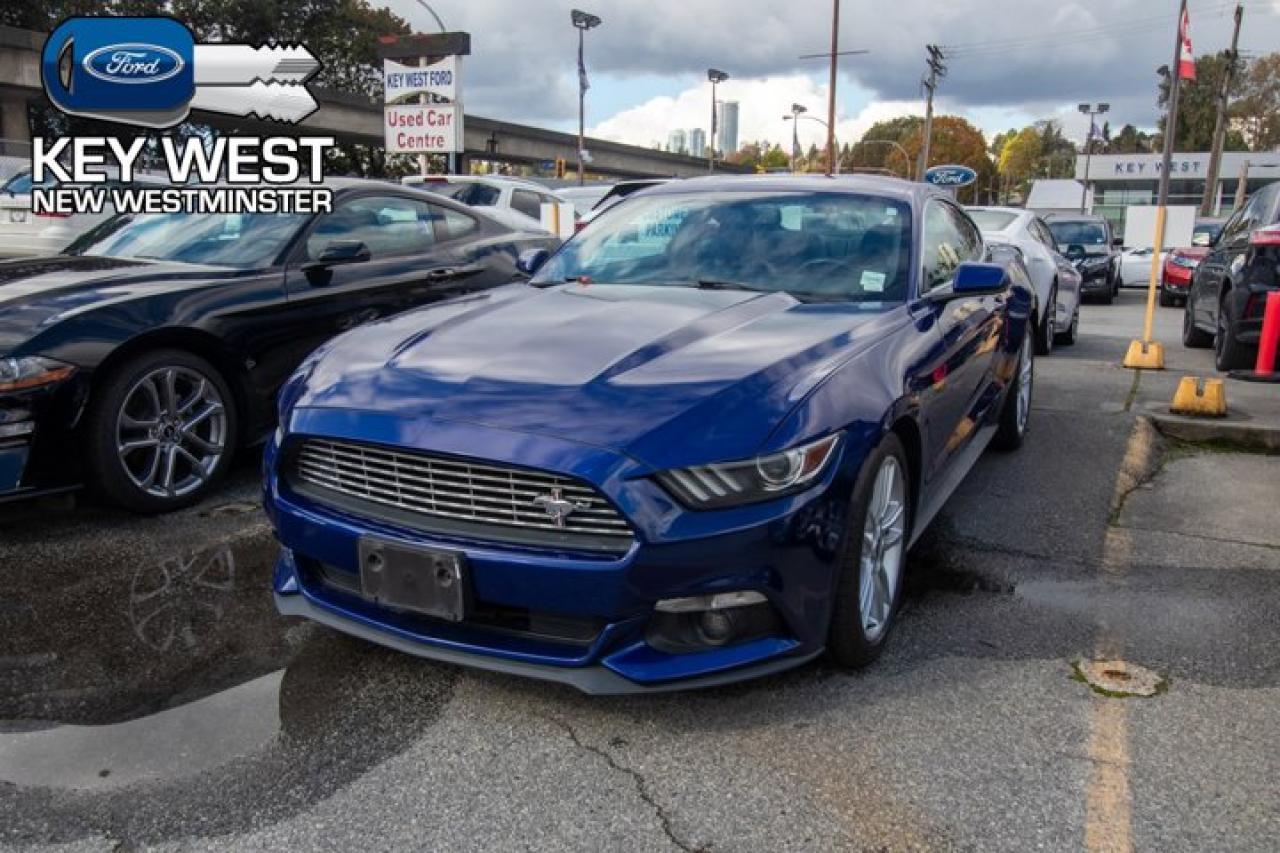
{"x": 1186, "y": 58}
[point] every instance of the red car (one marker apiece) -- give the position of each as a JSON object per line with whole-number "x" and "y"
{"x": 1179, "y": 266}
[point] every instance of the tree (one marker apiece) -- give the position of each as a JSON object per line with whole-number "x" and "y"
{"x": 864, "y": 155}
{"x": 1020, "y": 158}
{"x": 1129, "y": 140}
{"x": 775, "y": 158}
{"x": 1057, "y": 153}
{"x": 1198, "y": 105}
{"x": 1258, "y": 110}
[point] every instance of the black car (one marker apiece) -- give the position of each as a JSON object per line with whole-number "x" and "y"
{"x": 141, "y": 357}
{"x": 1089, "y": 243}
{"x": 1229, "y": 289}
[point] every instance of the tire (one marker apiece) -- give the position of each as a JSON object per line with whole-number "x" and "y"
{"x": 1193, "y": 337}
{"x": 1015, "y": 414}
{"x": 1229, "y": 353}
{"x": 1166, "y": 301}
{"x": 1045, "y": 333}
{"x": 160, "y": 432}
{"x": 1068, "y": 338}
{"x": 864, "y": 611}
{"x": 1107, "y": 298}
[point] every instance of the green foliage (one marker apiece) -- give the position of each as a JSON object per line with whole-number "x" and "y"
{"x": 1198, "y": 104}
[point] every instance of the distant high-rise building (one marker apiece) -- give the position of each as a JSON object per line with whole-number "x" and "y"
{"x": 697, "y": 142}
{"x": 677, "y": 143}
{"x": 727, "y": 131}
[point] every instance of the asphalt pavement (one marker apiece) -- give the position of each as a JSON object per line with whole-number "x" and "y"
{"x": 150, "y": 696}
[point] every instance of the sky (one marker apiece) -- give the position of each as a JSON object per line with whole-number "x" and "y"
{"x": 1011, "y": 62}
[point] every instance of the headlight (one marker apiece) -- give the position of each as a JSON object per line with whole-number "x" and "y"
{"x": 750, "y": 480}
{"x": 31, "y": 372}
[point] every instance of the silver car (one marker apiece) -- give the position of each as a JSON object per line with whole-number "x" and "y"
{"x": 1056, "y": 280}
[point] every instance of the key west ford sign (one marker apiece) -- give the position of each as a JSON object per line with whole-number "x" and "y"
{"x": 423, "y": 128}
{"x": 150, "y": 72}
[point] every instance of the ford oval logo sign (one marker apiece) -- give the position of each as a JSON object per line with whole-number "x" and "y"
{"x": 133, "y": 64}
{"x": 950, "y": 176}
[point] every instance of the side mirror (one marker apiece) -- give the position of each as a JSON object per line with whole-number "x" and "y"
{"x": 341, "y": 252}
{"x": 1118, "y": 242}
{"x": 973, "y": 279}
{"x": 531, "y": 260}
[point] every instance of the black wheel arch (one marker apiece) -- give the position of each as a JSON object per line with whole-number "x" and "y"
{"x": 197, "y": 342}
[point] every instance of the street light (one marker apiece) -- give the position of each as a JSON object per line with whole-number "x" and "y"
{"x": 715, "y": 76}
{"x": 439, "y": 23}
{"x": 582, "y": 21}
{"x": 796, "y": 110}
{"x": 898, "y": 145}
{"x": 1088, "y": 109}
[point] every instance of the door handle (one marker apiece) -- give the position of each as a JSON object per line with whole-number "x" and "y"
{"x": 442, "y": 273}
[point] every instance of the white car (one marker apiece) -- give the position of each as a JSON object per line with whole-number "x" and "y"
{"x": 1056, "y": 280}
{"x": 24, "y": 233}
{"x": 514, "y": 202}
{"x": 1135, "y": 267}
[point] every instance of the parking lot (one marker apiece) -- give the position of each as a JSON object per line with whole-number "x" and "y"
{"x": 151, "y": 695}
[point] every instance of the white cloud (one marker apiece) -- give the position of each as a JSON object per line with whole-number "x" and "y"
{"x": 762, "y": 105}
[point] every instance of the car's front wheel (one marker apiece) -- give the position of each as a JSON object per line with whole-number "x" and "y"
{"x": 1193, "y": 337}
{"x": 874, "y": 555}
{"x": 160, "y": 431}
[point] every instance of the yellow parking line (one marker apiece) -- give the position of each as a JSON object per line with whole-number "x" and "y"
{"x": 1109, "y": 798}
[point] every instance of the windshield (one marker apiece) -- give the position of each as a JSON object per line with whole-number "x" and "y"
{"x": 992, "y": 220}
{"x": 222, "y": 239}
{"x": 1079, "y": 233}
{"x": 823, "y": 246}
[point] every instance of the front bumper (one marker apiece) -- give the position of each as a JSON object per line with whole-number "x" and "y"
{"x": 786, "y": 550}
{"x": 37, "y": 434}
{"x": 1095, "y": 280}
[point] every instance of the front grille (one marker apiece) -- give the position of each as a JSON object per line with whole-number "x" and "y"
{"x": 451, "y": 495}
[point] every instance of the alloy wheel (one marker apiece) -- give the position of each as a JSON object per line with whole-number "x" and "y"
{"x": 1026, "y": 376}
{"x": 883, "y": 546}
{"x": 171, "y": 432}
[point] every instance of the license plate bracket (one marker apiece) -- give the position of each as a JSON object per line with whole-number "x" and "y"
{"x": 430, "y": 581}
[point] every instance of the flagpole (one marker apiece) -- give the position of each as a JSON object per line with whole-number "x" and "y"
{"x": 1148, "y": 354}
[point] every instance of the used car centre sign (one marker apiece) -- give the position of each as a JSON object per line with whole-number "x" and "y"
{"x": 434, "y": 127}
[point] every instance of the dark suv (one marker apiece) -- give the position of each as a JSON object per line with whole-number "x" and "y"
{"x": 1088, "y": 242}
{"x": 1229, "y": 290}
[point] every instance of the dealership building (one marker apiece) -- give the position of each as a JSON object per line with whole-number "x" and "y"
{"x": 1117, "y": 181}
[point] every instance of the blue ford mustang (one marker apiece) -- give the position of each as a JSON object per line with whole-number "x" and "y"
{"x": 693, "y": 448}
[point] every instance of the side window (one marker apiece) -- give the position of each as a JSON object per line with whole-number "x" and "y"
{"x": 970, "y": 237}
{"x": 1041, "y": 232}
{"x": 457, "y": 224}
{"x": 1242, "y": 222}
{"x": 944, "y": 246}
{"x": 388, "y": 226}
{"x": 528, "y": 203}
{"x": 480, "y": 195}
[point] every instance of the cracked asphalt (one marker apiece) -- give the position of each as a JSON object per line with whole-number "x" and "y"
{"x": 151, "y": 698}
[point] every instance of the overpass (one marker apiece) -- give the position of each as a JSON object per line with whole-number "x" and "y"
{"x": 359, "y": 119}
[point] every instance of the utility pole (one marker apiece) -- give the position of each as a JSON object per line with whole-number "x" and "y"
{"x": 1207, "y": 203}
{"x": 1092, "y": 113}
{"x": 831, "y": 87}
{"x": 582, "y": 21}
{"x": 937, "y": 71}
{"x": 716, "y": 77}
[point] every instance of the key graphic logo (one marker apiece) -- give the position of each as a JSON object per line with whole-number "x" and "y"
{"x": 151, "y": 72}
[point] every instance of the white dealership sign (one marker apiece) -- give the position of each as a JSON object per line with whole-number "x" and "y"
{"x": 423, "y": 128}
{"x": 440, "y": 79}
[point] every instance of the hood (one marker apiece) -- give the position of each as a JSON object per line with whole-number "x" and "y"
{"x": 1196, "y": 253}
{"x": 637, "y": 369}
{"x": 37, "y": 292}
{"x": 1076, "y": 251}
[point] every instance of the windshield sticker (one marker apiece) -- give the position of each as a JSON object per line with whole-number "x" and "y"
{"x": 872, "y": 282}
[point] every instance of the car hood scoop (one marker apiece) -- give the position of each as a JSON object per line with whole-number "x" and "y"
{"x": 638, "y": 369}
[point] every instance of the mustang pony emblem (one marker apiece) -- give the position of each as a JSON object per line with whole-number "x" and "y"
{"x": 558, "y": 507}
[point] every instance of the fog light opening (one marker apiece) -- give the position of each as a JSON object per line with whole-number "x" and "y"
{"x": 716, "y": 627}
{"x": 702, "y": 622}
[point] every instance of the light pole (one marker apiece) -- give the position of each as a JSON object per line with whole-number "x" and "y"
{"x": 796, "y": 110}
{"x": 439, "y": 23}
{"x": 716, "y": 77}
{"x": 831, "y": 137}
{"x": 582, "y": 21}
{"x": 1088, "y": 110}
{"x": 906, "y": 158}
